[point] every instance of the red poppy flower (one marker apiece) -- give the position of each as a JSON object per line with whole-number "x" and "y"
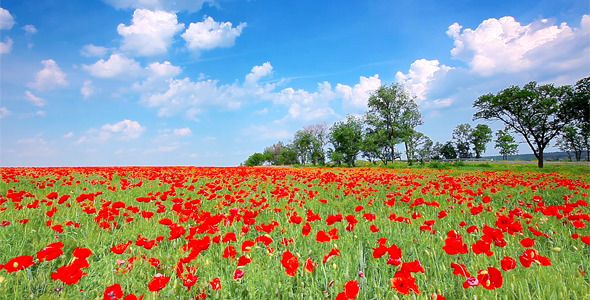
{"x": 68, "y": 274}
{"x": 290, "y": 262}
{"x": 229, "y": 251}
{"x": 247, "y": 245}
{"x": 508, "y": 263}
{"x": 238, "y": 273}
{"x": 351, "y": 289}
{"x": 412, "y": 267}
{"x": 527, "y": 242}
{"x": 471, "y": 281}
{"x": 120, "y": 248}
{"x": 404, "y": 283}
{"x": 19, "y": 263}
{"x": 51, "y": 252}
{"x": 306, "y": 229}
{"x": 215, "y": 284}
{"x": 229, "y": 237}
{"x": 460, "y": 269}
{"x": 244, "y": 260}
{"x": 113, "y": 292}
{"x": 158, "y": 282}
{"x": 189, "y": 280}
{"x": 309, "y": 265}
{"x": 321, "y": 237}
{"x": 82, "y": 252}
{"x": 490, "y": 278}
{"x": 332, "y": 252}
{"x": 481, "y": 246}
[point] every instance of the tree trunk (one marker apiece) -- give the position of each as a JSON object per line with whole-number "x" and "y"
{"x": 540, "y": 159}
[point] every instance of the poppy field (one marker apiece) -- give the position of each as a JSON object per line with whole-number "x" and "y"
{"x": 292, "y": 233}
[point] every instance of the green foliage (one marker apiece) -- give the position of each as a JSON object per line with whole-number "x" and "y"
{"x": 346, "y": 139}
{"x": 480, "y": 136}
{"x": 538, "y": 113}
{"x": 256, "y": 159}
{"x": 505, "y": 144}
{"x": 462, "y": 137}
{"x": 448, "y": 150}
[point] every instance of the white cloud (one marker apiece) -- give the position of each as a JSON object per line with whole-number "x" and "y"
{"x": 87, "y": 89}
{"x": 150, "y": 33}
{"x": 91, "y": 50}
{"x": 258, "y": 72}
{"x": 37, "y": 101}
{"x": 6, "y": 19}
{"x": 307, "y": 106}
{"x": 504, "y": 45}
{"x": 49, "y": 77}
{"x": 116, "y": 65}
{"x": 266, "y": 133}
{"x": 182, "y": 131}
{"x": 127, "y": 129}
{"x": 165, "y": 69}
{"x": 421, "y": 73}
{"x": 4, "y": 112}
{"x": 358, "y": 95}
{"x": 210, "y": 34}
{"x": 6, "y": 46}
{"x": 167, "y": 5}
{"x": 30, "y": 29}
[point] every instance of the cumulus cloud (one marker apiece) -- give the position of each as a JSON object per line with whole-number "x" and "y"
{"x": 165, "y": 69}
{"x": 50, "y": 77}
{"x": 421, "y": 73}
{"x": 167, "y": 5}
{"x": 116, "y": 65}
{"x": 210, "y": 34}
{"x": 87, "y": 88}
{"x": 6, "y": 46}
{"x": 6, "y": 19}
{"x": 127, "y": 129}
{"x": 358, "y": 95}
{"x": 30, "y": 29}
{"x": 37, "y": 101}
{"x": 505, "y": 45}
{"x": 150, "y": 32}
{"x": 4, "y": 112}
{"x": 91, "y": 50}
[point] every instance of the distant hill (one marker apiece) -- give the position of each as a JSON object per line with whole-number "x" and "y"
{"x": 548, "y": 156}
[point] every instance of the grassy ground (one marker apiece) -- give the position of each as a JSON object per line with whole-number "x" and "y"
{"x": 263, "y": 204}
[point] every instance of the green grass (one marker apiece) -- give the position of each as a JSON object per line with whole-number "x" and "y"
{"x": 344, "y": 189}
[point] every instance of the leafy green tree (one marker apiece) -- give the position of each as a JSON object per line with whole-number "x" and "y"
{"x": 581, "y": 99}
{"x": 309, "y": 143}
{"x": 571, "y": 141}
{"x": 393, "y": 113}
{"x": 462, "y": 137}
{"x": 256, "y": 159}
{"x": 425, "y": 149}
{"x": 480, "y": 136}
{"x": 448, "y": 151}
{"x": 288, "y": 156}
{"x": 346, "y": 138}
{"x": 505, "y": 144}
{"x": 538, "y": 113}
{"x": 272, "y": 153}
{"x": 303, "y": 145}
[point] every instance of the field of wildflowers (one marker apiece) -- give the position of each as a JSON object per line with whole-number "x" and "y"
{"x": 292, "y": 233}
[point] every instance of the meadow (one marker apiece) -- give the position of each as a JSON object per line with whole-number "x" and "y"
{"x": 294, "y": 233}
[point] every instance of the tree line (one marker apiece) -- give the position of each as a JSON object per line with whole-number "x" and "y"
{"x": 539, "y": 113}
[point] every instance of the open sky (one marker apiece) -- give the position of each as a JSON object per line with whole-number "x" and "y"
{"x": 193, "y": 82}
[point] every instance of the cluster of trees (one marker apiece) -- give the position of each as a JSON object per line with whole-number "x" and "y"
{"x": 538, "y": 113}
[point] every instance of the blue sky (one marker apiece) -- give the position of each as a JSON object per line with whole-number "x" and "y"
{"x": 156, "y": 82}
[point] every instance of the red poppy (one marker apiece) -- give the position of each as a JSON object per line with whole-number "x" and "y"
{"x": 332, "y": 252}
{"x": 490, "y": 278}
{"x": 469, "y": 282}
{"x": 229, "y": 237}
{"x": 68, "y": 274}
{"x": 290, "y": 262}
{"x": 113, "y": 292}
{"x": 120, "y": 248}
{"x": 238, "y": 273}
{"x": 404, "y": 283}
{"x": 309, "y": 265}
{"x": 158, "y": 282}
{"x": 351, "y": 289}
{"x": 460, "y": 269}
{"x": 527, "y": 242}
{"x": 51, "y": 252}
{"x": 247, "y": 245}
{"x": 321, "y": 237}
{"x": 481, "y": 246}
{"x": 82, "y": 252}
{"x": 229, "y": 251}
{"x": 189, "y": 280}
{"x": 306, "y": 229}
{"x": 508, "y": 263}
{"x": 19, "y": 263}
{"x": 215, "y": 283}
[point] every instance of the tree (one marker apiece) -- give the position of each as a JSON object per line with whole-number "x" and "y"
{"x": 346, "y": 138}
{"x": 462, "y": 137}
{"x": 480, "y": 136}
{"x": 255, "y": 159}
{"x": 415, "y": 146}
{"x": 571, "y": 141}
{"x": 426, "y": 151}
{"x": 302, "y": 144}
{"x": 581, "y": 100}
{"x": 538, "y": 113}
{"x": 392, "y": 114}
{"x": 272, "y": 153}
{"x": 288, "y": 156}
{"x": 309, "y": 143}
{"x": 448, "y": 151}
{"x": 505, "y": 144}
